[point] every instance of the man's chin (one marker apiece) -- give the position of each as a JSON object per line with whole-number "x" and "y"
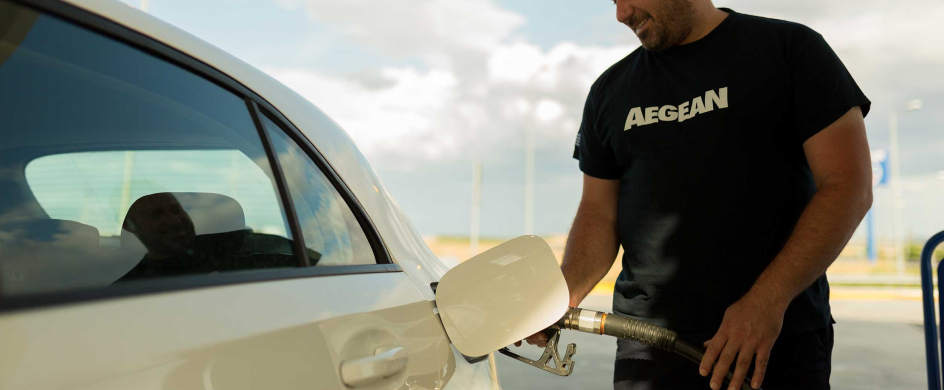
{"x": 650, "y": 46}
{"x": 653, "y": 44}
{"x": 647, "y": 40}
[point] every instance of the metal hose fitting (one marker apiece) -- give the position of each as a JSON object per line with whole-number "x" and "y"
{"x": 589, "y": 321}
{"x": 586, "y": 321}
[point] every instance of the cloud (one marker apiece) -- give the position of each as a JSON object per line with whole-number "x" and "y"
{"x": 477, "y": 87}
{"x": 879, "y": 43}
{"x": 377, "y": 114}
{"x": 524, "y": 64}
{"x": 871, "y": 33}
{"x": 411, "y": 27}
{"x": 403, "y": 116}
{"x": 548, "y": 110}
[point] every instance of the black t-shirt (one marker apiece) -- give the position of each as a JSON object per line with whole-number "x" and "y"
{"x": 707, "y": 140}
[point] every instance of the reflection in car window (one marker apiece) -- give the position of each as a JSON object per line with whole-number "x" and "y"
{"x": 327, "y": 223}
{"x": 116, "y": 166}
{"x": 64, "y": 183}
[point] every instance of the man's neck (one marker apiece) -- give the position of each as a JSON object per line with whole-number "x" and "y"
{"x": 707, "y": 18}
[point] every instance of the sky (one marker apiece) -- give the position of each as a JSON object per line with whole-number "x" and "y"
{"x": 426, "y": 87}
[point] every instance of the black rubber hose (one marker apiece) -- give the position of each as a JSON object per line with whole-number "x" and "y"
{"x": 627, "y": 328}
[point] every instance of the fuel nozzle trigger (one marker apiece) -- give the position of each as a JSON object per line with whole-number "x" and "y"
{"x": 561, "y": 367}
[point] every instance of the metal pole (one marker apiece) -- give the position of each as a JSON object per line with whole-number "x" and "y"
{"x": 125, "y": 200}
{"x": 529, "y": 184}
{"x": 476, "y": 206}
{"x": 870, "y": 241}
{"x": 930, "y": 318}
{"x": 897, "y": 203}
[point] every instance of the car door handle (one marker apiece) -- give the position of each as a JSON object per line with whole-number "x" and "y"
{"x": 386, "y": 362}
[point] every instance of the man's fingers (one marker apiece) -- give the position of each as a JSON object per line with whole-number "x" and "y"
{"x": 538, "y": 343}
{"x": 724, "y": 362}
{"x": 713, "y": 348}
{"x": 539, "y": 339}
{"x": 742, "y": 364}
{"x": 538, "y": 336}
{"x": 760, "y": 367}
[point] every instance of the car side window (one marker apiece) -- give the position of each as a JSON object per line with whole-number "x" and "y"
{"x": 327, "y": 223}
{"x": 117, "y": 166}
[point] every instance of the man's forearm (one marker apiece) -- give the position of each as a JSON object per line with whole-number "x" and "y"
{"x": 592, "y": 246}
{"x": 823, "y": 230}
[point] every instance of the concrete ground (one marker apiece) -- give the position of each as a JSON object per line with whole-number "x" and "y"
{"x": 879, "y": 345}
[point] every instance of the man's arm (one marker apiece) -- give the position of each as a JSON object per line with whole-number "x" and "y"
{"x": 592, "y": 243}
{"x": 839, "y": 160}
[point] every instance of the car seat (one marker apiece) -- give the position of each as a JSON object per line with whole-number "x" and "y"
{"x": 212, "y": 214}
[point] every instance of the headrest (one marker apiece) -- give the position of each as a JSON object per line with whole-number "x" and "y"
{"x": 211, "y": 213}
{"x": 58, "y": 232}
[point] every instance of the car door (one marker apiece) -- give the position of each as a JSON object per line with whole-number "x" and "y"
{"x": 159, "y": 231}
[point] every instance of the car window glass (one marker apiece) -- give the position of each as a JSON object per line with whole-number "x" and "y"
{"x": 118, "y": 167}
{"x": 98, "y": 188}
{"x": 327, "y": 223}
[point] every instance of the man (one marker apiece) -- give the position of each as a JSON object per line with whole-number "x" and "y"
{"x": 728, "y": 157}
{"x": 167, "y": 231}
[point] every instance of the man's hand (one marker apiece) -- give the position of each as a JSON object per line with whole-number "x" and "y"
{"x": 749, "y": 328}
{"x": 539, "y": 339}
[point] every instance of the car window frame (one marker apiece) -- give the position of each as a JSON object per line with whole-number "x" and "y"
{"x": 257, "y": 107}
{"x": 311, "y": 151}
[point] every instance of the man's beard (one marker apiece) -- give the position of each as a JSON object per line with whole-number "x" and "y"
{"x": 676, "y": 21}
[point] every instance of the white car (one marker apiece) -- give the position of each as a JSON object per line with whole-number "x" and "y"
{"x": 173, "y": 218}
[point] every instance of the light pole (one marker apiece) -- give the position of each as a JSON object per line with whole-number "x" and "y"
{"x": 897, "y": 202}
{"x": 476, "y": 206}
{"x": 529, "y": 183}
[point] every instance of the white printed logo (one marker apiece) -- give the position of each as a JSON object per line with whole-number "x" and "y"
{"x": 679, "y": 113}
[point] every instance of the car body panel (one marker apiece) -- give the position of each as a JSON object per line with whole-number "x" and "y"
{"x": 273, "y": 335}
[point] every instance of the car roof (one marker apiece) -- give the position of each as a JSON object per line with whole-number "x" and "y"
{"x": 403, "y": 242}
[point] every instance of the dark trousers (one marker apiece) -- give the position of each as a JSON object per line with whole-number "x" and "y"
{"x": 797, "y": 362}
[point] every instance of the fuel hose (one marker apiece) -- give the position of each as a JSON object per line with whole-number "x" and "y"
{"x": 626, "y": 328}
